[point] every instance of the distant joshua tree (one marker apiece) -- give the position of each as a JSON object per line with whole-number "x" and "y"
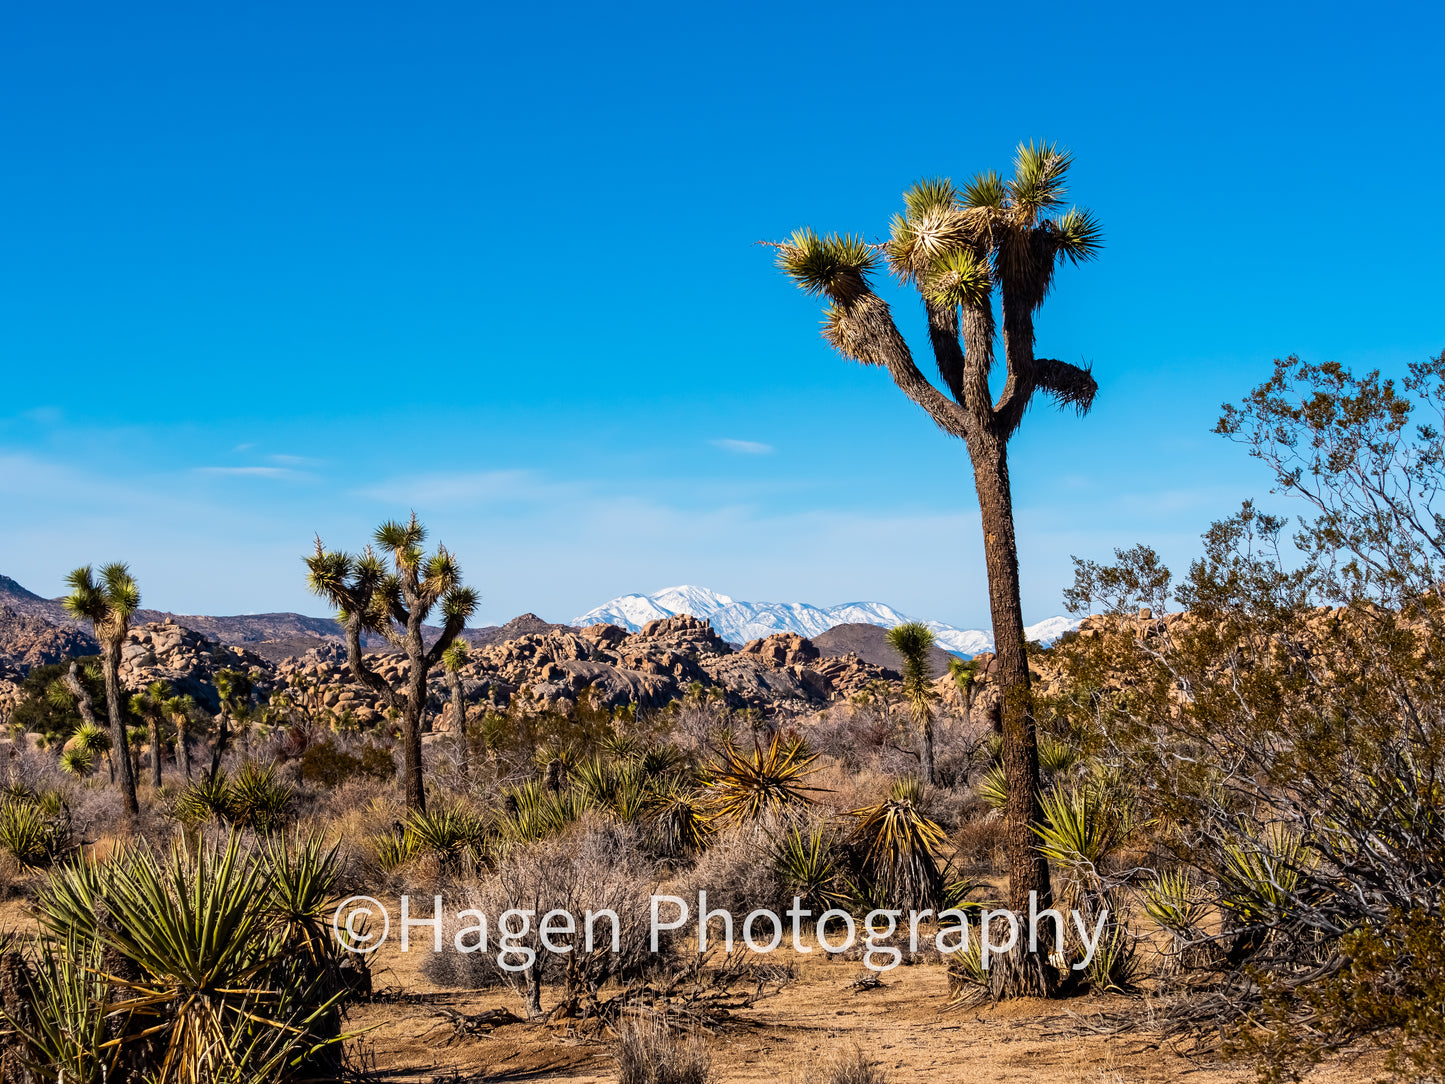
{"x": 395, "y": 604}
{"x": 954, "y": 246}
{"x": 453, "y": 659}
{"x": 108, "y": 605}
{"x": 914, "y": 642}
{"x": 151, "y": 706}
{"x": 182, "y": 710}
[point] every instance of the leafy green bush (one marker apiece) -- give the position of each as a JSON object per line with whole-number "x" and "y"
{"x": 328, "y": 765}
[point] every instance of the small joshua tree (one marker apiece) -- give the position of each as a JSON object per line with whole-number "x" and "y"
{"x": 182, "y": 710}
{"x": 151, "y": 705}
{"x": 453, "y": 659}
{"x": 233, "y": 687}
{"x": 913, "y": 641}
{"x": 108, "y": 605}
{"x": 395, "y": 604}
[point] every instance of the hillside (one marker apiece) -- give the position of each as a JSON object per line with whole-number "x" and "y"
{"x": 870, "y": 643}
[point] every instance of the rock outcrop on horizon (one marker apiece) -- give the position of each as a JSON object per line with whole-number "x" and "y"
{"x": 527, "y": 663}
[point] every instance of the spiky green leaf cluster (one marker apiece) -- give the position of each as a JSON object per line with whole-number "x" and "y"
{"x": 191, "y": 959}
{"x": 836, "y": 265}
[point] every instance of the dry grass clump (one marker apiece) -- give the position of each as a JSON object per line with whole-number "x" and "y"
{"x": 649, "y": 1052}
{"x": 849, "y": 1065}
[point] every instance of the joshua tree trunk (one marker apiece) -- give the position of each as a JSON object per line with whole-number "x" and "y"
{"x": 1028, "y": 868}
{"x": 155, "y": 724}
{"x": 223, "y": 737}
{"x": 183, "y": 755}
{"x": 925, "y": 749}
{"x": 411, "y": 722}
{"x": 110, "y": 667}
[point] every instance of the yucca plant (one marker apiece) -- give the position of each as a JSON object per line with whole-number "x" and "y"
{"x": 208, "y": 798}
{"x": 968, "y": 980}
{"x": 393, "y": 850}
{"x": 30, "y": 837}
{"x": 897, "y": 844}
{"x": 805, "y": 863}
{"x": 1260, "y": 873}
{"x": 909, "y": 789}
{"x": 993, "y": 788}
{"x": 1115, "y": 965}
{"x": 1056, "y": 757}
{"x": 259, "y": 800}
{"x": 1174, "y": 902}
{"x": 533, "y": 813}
{"x": 56, "y": 1013}
{"x": 1078, "y": 835}
{"x": 745, "y": 785}
{"x": 453, "y": 834}
{"x": 681, "y": 819}
{"x": 302, "y": 875}
{"x": 195, "y": 953}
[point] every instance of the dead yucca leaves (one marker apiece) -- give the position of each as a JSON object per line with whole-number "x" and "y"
{"x": 743, "y": 785}
{"x": 898, "y": 842}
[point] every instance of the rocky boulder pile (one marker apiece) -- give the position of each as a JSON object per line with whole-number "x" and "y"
{"x": 186, "y": 659}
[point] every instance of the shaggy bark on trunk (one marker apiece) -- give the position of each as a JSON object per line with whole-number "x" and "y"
{"x": 110, "y": 668}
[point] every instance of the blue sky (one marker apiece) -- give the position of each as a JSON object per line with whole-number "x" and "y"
{"x": 268, "y": 270}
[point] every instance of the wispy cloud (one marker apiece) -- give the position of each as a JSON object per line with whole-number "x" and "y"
{"x": 470, "y": 488}
{"x": 746, "y": 447}
{"x": 295, "y": 460}
{"x": 249, "y": 472}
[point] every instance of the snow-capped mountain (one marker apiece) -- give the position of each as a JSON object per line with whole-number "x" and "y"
{"x": 743, "y": 621}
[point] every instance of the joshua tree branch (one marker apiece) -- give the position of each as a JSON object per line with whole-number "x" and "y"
{"x": 862, "y": 327}
{"x": 1071, "y": 385}
{"x": 943, "y": 334}
{"x": 363, "y": 673}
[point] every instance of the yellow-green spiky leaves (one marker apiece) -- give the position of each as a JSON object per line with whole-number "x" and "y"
{"x": 1039, "y": 175}
{"x": 961, "y": 277}
{"x": 1079, "y": 236}
{"x": 985, "y": 190}
{"x": 836, "y": 265}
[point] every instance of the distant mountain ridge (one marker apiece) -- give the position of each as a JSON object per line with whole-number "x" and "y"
{"x": 743, "y": 621}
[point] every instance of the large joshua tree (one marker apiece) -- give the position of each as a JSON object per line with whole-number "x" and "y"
{"x": 108, "y": 604}
{"x": 960, "y": 248}
{"x": 394, "y": 604}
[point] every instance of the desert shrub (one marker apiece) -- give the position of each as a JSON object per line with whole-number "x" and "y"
{"x": 596, "y": 865}
{"x": 1286, "y": 725}
{"x": 327, "y": 764}
{"x": 736, "y": 874}
{"x": 978, "y": 843}
{"x": 649, "y": 1052}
